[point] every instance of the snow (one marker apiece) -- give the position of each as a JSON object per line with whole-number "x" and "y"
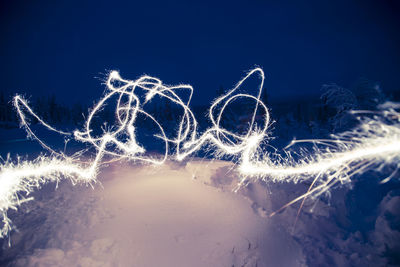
{"x": 186, "y": 214}
{"x": 147, "y": 216}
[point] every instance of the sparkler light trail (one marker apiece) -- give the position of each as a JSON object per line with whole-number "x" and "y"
{"x": 375, "y": 144}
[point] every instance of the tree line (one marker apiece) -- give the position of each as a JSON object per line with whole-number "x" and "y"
{"x": 47, "y": 108}
{"x": 330, "y": 110}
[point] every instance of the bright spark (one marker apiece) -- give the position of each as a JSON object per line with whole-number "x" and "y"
{"x": 373, "y": 145}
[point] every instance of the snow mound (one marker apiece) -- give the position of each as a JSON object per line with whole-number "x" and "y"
{"x": 186, "y": 214}
{"x": 154, "y": 216}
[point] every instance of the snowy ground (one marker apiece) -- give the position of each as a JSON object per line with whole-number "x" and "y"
{"x": 146, "y": 216}
{"x": 187, "y": 215}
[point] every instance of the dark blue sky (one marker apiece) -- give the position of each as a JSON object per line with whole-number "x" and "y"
{"x": 67, "y": 47}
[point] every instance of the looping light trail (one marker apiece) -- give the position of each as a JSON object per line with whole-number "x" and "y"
{"x": 374, "y": 144}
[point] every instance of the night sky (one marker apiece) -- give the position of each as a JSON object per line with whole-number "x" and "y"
{"x": 66, "y": 48}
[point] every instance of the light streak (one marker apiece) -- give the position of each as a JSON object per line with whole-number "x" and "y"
{"x": 373, "y": 145}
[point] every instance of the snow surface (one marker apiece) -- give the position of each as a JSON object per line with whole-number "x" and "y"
{"x": 153, "y": 216}
{"x": 186, "y": 214}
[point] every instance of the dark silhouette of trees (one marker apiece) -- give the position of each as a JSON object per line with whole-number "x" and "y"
{"x": 47, "y": 108}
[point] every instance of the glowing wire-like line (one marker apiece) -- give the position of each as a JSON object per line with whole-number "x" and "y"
{"x": 374, "y": 144}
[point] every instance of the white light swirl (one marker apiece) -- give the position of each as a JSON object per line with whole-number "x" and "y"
{"x": 374, "y": 144}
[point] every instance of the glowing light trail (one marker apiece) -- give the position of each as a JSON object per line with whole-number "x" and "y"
{"x": 374, "y": 144}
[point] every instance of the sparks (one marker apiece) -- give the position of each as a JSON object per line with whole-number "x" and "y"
{"x": 374, "y": 144}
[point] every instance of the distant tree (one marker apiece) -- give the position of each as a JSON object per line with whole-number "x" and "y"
{"x": 338, "y": 102}
{"x": 369, "y": 94}
{"x": 53, "y": 109}
{"x": 7, "y": 111}
{"x": 3, "y": 107}
{"x": 77, "y": 113}
{"x": 41, "y": 108}
{"x": 338, "y": 98}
